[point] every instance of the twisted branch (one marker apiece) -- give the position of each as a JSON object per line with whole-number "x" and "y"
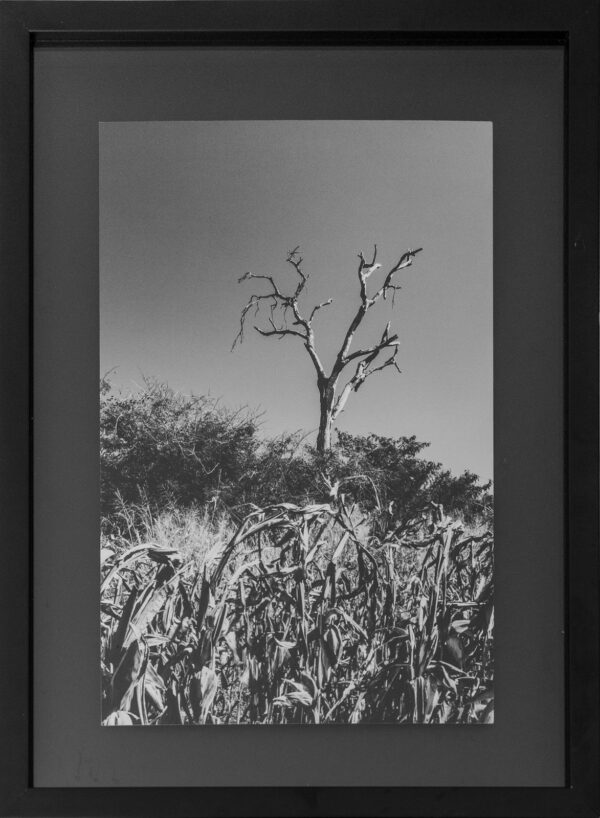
{"x": 292, "y": 322}
{"x": 284, "y": 302}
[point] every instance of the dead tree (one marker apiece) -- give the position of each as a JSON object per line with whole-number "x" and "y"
{"x": 286, "y": 319}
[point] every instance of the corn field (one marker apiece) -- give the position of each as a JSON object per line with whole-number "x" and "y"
{"x": 303, "y": 614}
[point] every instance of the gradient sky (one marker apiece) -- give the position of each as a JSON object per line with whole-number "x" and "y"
{"x": 187, "y": 207}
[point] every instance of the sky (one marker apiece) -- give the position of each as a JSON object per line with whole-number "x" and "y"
{"x": 186, "y": 208}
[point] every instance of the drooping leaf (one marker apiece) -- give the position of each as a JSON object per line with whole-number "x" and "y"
{"x": 128, "y": 672}
{"x": 203, "y": 689}
{"x": 119, "y": 718}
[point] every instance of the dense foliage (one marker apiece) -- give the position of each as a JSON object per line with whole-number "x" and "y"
{"x": 158, "y": 446}
{"x": 302, "y": 615}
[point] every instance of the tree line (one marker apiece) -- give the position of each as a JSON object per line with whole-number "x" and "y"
{"x": 160, "y": 447}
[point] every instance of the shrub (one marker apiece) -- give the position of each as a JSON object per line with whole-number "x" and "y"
{"x": 158, "y": 446}
{"x": 392, "y": 473}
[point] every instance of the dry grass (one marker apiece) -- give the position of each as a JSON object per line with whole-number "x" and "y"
{"x": 192, "y": 532}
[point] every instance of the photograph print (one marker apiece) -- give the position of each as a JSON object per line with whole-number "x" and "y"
{"x": 296, "y": 423}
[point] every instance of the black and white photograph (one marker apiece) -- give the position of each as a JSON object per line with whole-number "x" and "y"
{"x": 296, "y": 423}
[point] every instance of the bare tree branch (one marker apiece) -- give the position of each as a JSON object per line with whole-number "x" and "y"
{"x": 286, "y": 319}
{"x": 248, "y": 275}
{"x": 296, "y": 261}
{"x": 281, "y": 331}
{"x": 364, "y": 370}
{"x": 406, "y": 260}
{"x": 365, "y": 269}
{"x": 385, "y": 342}
{"x": 283, "y": 302}
{"x": 320, "y": 307}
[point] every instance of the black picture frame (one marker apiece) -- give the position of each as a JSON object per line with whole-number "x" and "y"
{"x": 571, "y": 23}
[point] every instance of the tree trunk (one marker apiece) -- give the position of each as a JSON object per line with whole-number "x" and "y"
{"x": 326, "y": 398}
